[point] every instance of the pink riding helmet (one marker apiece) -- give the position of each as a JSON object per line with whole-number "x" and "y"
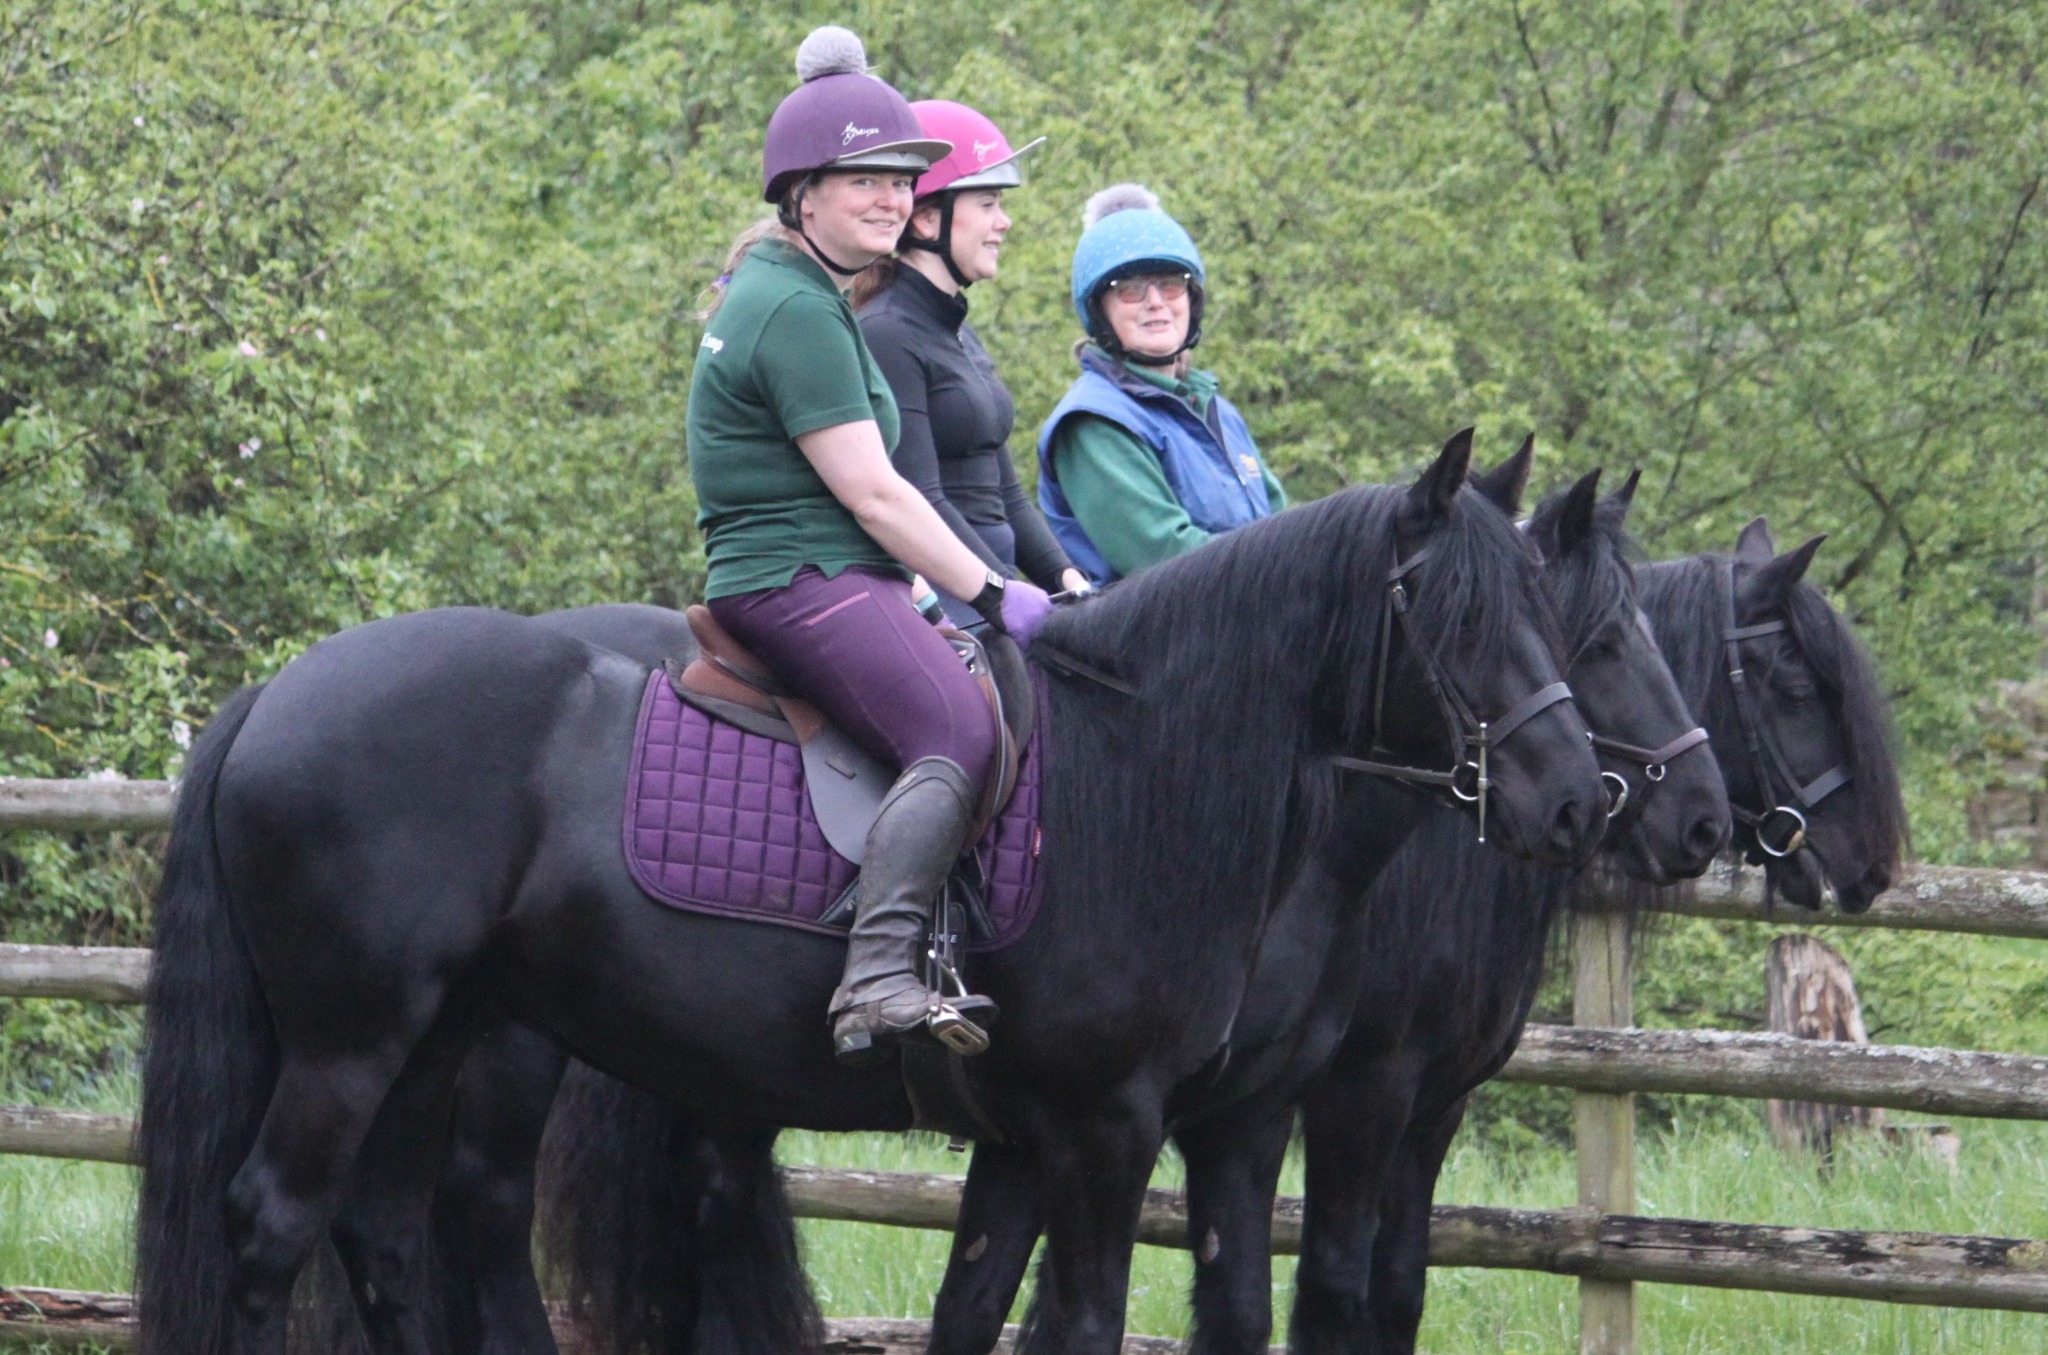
{"x": 981, "y": 155}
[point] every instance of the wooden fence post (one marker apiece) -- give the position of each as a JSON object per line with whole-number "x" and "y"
{"x": 1603, "y": 994}
{"x": 1810, "y": 993}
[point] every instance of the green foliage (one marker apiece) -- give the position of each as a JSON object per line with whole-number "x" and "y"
{"x": 314, "y": 311}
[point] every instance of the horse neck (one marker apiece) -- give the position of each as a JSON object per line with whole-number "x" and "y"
{"x": 1173, "y": 815}
{"x": 1686, "y": 602}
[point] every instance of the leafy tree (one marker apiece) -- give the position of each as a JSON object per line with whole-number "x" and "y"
{"x": 313, "y": 311}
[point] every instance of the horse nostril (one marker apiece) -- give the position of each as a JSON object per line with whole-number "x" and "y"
{"x": 1576, "y": 829}
{"x": 1706, "y": 837}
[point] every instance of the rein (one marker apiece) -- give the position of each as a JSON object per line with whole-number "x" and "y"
{"x": 1768, "y": 760}
{"x": 1471, "y": 737}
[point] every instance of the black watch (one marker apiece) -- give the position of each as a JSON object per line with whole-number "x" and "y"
{"x": 989, "y": 601}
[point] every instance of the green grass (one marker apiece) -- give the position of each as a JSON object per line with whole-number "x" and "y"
{"x": 2000, "y": 1188}
{"x": 66, "y": 1225}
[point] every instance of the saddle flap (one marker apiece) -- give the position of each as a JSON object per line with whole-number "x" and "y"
{"x": 846, "y": 784}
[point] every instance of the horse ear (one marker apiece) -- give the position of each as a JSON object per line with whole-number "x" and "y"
{"x": 1505, "y": 485}
{"x": 1755, "y": 542}
{"x": 1442, "y": 481}
{"x": 1624, "y": 498}
{"x": 1769, "y": 586}
{"x": 1575, "y": 516}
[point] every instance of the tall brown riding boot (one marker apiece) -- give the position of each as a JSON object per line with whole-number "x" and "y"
{"x": 917, "y": 836}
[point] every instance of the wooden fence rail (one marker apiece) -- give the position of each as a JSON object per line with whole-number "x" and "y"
{"x": 1759, "y": 1065}
{"x": 1590, "y": 1059}
{"x": 69, "y": 1319}
{"x": 1923, "y": 1268}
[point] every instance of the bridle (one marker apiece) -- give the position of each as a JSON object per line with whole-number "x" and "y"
{"x": 1773, "y": 771}
{"x": 1655, "y": 762}
{"x": 1471, "y": 737}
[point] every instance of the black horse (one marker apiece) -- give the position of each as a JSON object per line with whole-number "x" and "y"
{"x": 1233, "y": 1131}
{"x": 620, "y": 1154}
{"x": 1439, "y": 1016}
{"x": 1457, "y": 947}
{"x": 416, "y": 825}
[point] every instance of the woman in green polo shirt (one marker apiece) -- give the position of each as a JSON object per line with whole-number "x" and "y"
{"x": 811, "y": 536}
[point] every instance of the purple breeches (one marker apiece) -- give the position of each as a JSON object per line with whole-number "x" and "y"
{"x": 856, "y": 647}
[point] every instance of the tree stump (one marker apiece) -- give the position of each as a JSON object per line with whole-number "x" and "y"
{"x": 1812, "y": 995}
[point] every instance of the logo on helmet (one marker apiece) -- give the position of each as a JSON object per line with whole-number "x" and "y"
{"x": 982, "y": 148}
{"x": 846, "y": 137}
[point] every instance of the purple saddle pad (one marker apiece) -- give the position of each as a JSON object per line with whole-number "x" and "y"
{"x": 718, "y": 821}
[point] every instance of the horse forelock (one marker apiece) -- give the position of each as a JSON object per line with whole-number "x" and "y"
{"x": 1481, "y": 586}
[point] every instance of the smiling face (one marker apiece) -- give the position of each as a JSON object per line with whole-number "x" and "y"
{"x": 1153, "y": 325}
{"x": 979, "y": 227}
{"x": 856, "y": 215}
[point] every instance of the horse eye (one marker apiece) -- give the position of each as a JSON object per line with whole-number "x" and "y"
{"x": 1794, "y": 687}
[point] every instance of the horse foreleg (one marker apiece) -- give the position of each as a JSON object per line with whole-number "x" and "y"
{"x": 1233, "y": 1171}
{"x": 1352, "y": 1127}
{"x": 1400, "y": 1263}
{"x": 1093, "y": 1173}
{"x": 999, "y": 1224}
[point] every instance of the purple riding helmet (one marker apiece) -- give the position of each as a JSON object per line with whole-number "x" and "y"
{"x": 840, "y": 117}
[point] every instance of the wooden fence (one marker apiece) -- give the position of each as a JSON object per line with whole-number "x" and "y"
{"x": 1602, "y": 1057}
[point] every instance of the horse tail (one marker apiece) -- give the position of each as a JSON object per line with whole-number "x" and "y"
{"x": 209, "y": 1065}
{"x": 668, "y": 1238}
{"x": 756, "y": 1299}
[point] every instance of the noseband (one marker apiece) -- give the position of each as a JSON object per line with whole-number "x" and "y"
{"x": 1655, "y": 762}
{"x": 1471, "y": 737}
{"x": 1773, "y": 770}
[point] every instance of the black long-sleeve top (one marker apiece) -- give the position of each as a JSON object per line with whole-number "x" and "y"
{"x": 957, "y": 416}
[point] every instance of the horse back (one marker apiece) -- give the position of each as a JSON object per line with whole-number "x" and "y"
{"x": 388, "y": 783}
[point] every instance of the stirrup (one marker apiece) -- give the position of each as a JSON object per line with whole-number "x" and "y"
{"x": 961, "y": 1024}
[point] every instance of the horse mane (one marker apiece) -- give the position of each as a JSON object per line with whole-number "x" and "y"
{"x": 1686, "y": 600}
{"x": 1254, "y": 658}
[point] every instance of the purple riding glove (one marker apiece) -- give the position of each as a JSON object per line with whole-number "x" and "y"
{"x": 1025, "y": 607}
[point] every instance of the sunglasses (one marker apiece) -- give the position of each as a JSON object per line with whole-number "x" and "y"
{"x": 1172, "y": 286}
